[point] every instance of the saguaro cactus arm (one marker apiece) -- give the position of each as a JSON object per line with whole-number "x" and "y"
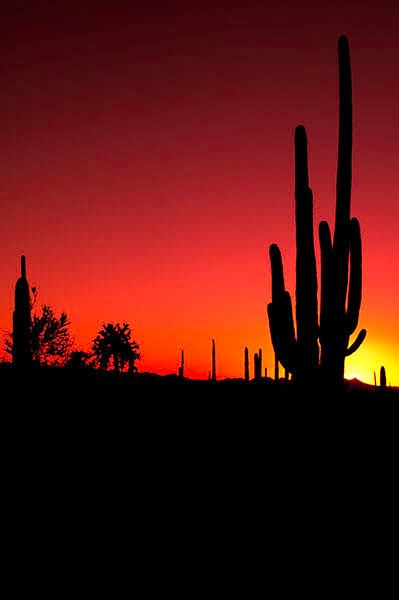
{"x": 358, "y": 341}
{"x": 279, "y": 310}
{"x": 355, "y": 281}
{"x": 355, "y": 287}
{"x": 306, "y": 275}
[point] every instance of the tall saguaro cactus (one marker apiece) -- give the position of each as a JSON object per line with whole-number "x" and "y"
{"x": 339, "y": 304}
{"x": 21, "y": 343}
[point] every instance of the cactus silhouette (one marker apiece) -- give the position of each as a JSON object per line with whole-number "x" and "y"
{"x": 383, "y": 378}
{"x": 181, "y": 368}
{"x": 256, "y": 366}
{"x": 339, "y": 307}
{"x": 276, "y": 368}
{"x": 246, "y": 365}
{"x": 213, "y": 361}
{"x": 21, "y": 342}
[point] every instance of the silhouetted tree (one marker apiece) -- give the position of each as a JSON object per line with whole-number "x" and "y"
{"x": 114, "y": 344}
{"x": 79, "y": 359}
{"x": 51, "y": 340}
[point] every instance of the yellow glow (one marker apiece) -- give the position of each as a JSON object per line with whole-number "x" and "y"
{"x": 369, "y": 360}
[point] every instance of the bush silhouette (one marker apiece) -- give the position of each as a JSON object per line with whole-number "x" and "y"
{"x": 114, "y": 345}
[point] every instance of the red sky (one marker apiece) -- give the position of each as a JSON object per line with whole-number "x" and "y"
{"x": 147, "y": 164}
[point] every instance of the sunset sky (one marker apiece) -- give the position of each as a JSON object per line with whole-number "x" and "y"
{"x": 147, "y": 163}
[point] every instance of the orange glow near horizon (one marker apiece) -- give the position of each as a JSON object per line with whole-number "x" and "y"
{"x": 148, "y": 164}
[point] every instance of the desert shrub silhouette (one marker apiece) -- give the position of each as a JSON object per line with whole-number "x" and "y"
{"x": 114, "y": 344}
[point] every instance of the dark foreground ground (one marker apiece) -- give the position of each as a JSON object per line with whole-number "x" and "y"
{"x": 78, "y": 394}
{"x": 178, "y": 481}
{"x": 89, "y": 385}
{"x": 148, "y": 428}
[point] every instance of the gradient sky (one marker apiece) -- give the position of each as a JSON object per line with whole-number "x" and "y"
{"x": 147, "y": 165}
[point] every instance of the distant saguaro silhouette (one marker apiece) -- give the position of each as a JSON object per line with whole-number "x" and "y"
{"x": 181, "y": 368}
{"x": 246, "y": 365}
{"x": 383, "y": 378}
{"x": 339, "y": 306}
{"x": 21, "y": 333}
{"x": 256, "y": 366}
{"x": 213, "y": 361}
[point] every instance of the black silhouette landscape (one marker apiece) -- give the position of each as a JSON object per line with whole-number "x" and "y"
{"x": 312, "y": 351}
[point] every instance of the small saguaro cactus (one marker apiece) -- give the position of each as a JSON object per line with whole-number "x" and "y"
{"x": 181, "y": 368}
{"x": 256, "y": 366}
{"x": 213, "y": 361}
{"x": 246, "y": 365}
{"x": 21, "y": 342}
{"x": 383, "y": 378}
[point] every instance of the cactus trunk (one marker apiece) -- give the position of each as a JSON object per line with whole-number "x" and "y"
{"x": 246, "y": 365}
{"x": 213, "y": 361}
{"x": 256, "y": 366}
{"x": 181, "y": 368}
{"x": 340, "y": 307}
{"x": 21, "y": 347}
{"x": 383, "y": 378}
{"x": 306, "y": 277}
